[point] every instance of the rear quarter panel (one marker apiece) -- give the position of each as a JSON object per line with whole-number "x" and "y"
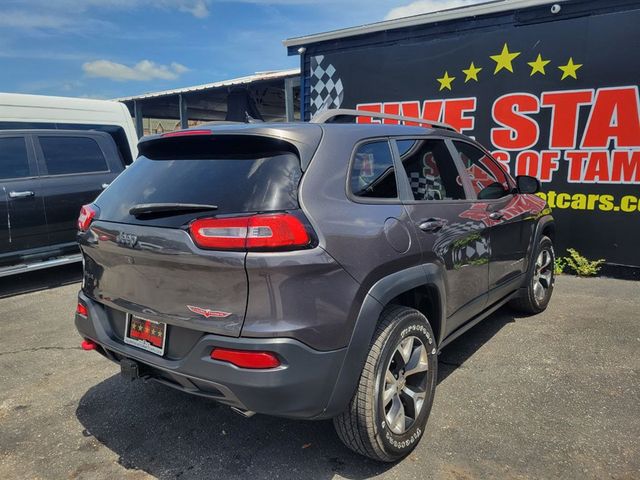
{"x": 354, "y": 234}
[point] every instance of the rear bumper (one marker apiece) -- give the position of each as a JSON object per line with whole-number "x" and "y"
{"x": 300, "y": 388}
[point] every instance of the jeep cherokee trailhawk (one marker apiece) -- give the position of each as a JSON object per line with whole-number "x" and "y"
{"x": 309, "y": 270}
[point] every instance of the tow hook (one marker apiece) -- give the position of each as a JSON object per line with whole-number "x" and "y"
{"x": 129, "y": 369}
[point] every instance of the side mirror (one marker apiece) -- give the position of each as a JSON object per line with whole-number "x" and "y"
{"x": 527, "y": 184}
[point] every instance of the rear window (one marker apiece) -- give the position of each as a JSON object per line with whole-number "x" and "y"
{"x": 258, "y": 181}
{"x": 66, "y": 155}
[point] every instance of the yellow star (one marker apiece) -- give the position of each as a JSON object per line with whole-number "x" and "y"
{"x": 471, "y": 73}
{"x": 504, "y": 59}
{"x": 445, "y": 82}
{"x": 537, "y": 66}
{"x": 570, "y": 69}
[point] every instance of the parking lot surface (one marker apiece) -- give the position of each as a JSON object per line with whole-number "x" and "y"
{"x": 556, "y": 395}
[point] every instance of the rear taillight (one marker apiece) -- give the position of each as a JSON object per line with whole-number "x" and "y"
{"x": 258, "y": 232}
{"x": 87, "y": 214}
{"x": 81, "y": 309}
{"x": 246, "y": 358}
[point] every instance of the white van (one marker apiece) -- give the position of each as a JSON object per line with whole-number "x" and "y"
{"x": 19, "y": 111}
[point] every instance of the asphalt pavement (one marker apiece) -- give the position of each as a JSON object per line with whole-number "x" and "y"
{"x": 555, "y": 395}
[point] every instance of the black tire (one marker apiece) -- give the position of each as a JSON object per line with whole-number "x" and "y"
{"x": 364, "y": 425}
{"x": 541, "y": 276}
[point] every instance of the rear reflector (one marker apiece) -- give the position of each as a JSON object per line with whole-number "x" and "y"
{"x": 246, "y": 358}
{"x": 186, "y": 133}
{"x": 261, "y": 232}
{"x": 89, "y": 345}
{"x": 87, "y": 214}
{"x": 81, "y": 309}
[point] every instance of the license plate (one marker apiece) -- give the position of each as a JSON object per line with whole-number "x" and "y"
{"x": 146, "y": 334}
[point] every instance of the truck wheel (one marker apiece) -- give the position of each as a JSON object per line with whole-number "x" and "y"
{"x": 388, "y": 412}
{"x": 540, "y": 281}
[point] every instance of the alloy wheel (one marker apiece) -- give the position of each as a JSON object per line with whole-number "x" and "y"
{"x": 405, "y": 384}
{"x": 543, "y": 275}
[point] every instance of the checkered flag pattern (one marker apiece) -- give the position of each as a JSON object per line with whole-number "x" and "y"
{"x": 425, "y": 187}
{"x": 327, "y": 90}
{"x": 473, "y": 250}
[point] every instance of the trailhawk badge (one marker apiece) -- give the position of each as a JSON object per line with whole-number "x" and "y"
{"x": 205, "y": 312}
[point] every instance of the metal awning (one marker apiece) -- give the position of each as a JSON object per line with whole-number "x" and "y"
{"x": 415, "y": 20}
{"x": 256, "y": 77}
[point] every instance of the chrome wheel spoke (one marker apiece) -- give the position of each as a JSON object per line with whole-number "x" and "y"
{"x": 396, "y": 417}
{"x": 389, "y": 378}
{"x": 538, "y": 290}
{"x": 546, "y": 259}
{"x": 418, "y": 362}
{"x": 545, "y": 278}
{"x": 388, "y": 395}
{"x": 405, "y": 348}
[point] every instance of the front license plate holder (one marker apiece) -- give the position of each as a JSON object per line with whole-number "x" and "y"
{"x": 146, "y": 334}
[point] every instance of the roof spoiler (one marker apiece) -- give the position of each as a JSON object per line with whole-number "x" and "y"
{"x": 325, "y": 116}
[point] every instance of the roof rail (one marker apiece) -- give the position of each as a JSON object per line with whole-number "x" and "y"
{"x": 325, "y": 116}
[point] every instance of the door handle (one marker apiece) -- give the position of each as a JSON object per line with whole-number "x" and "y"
{"x": 105, "y": 185}
{"x": 496, "y": 215}
{"x": 432, "y": 225}
{"x": 24, "y": 194}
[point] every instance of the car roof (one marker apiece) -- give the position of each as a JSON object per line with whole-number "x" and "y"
{"x": 300, "y": 130}
{"x": 305, "y": 136}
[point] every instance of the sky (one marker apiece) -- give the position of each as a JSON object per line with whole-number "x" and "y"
{"x": 116, "y": 48}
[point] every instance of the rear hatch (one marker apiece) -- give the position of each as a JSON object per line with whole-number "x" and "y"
{"x": 144, "y": 260}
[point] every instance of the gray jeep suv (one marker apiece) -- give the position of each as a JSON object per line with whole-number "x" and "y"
{"x": 310, "y": 270}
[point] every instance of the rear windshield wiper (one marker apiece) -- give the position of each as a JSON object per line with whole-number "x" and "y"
{"x": 143, "y": 209}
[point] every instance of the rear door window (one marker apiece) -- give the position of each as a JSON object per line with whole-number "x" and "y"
{"x": 430, "y": 170}
{"x": 14, "y": 160}
{"x": 372, "y": 171}
{"x": 68, "y": 155}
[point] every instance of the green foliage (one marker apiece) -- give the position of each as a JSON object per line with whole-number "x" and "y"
{"x": 582, "y": 266}
{"x": 463, "y": 242}
{"x": 559, "y": 265}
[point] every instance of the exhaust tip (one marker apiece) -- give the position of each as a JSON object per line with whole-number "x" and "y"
{"x": 244, "y": 413}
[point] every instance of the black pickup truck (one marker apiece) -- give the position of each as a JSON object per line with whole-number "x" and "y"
{"x": 45, "y": 177}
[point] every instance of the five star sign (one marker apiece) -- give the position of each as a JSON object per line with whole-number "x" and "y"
{"x": 471, "y": 73}
{"x": 537, "y": 66}
{"x": 445, "y": 81}
{"x": 505, "y": 61}
{"x": 570, "y": 69}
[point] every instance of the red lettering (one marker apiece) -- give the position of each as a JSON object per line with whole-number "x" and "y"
{"x": 503, "y": 157}
{"x": 520, "y": 132}
{"x": 431, "y": 110}
{"x": 614, "y": 116}
{"x": 576, "y": 160}
{"x": 368, "y": 107}
{"x": 454, "y": 111}
{"x": 625, "y": 166}
{"x": 392, "y": 108}
{"x": 564, "y": 115}
{"x": 527, "y": 163}
{"x": 410, "y": 109}
{"x": 597, "y": 167}
{"x": 548, "y": 164}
